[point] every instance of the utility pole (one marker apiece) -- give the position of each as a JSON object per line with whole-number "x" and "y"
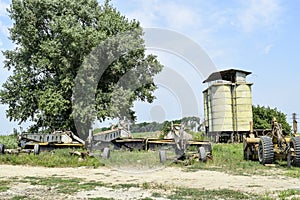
{"x": 295, "y": 127}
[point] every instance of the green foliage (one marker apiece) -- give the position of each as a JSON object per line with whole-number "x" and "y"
{"x": 135, "y": 160}
{"x": 146, "y": 127}
{"x": 58, "y": 158}
{"x": 146, "y": 134}
{"x": 19, "y": 197}
{"x": 190, "y": 193}
{"x": 189, "y": 122}
{"x": 53, "y": 39}
{"x": 197, "y": 135}
{"x": 262, "y": 118}
{"x": 64, "y": 185}
{"x": 10, "y": 141}
{"x": 288, "y": 193}
{"x": 4, "y": 185}
{"x": 229, "y": 158}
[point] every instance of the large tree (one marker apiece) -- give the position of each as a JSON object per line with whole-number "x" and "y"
{"x": 54, "y": 41}
{"x": 263, "y": 116}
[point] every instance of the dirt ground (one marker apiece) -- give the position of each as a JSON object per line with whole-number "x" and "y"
{"x": 169, "y": 177}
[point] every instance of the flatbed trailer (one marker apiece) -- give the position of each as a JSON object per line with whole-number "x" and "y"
{"x": 112, "y": 140}
{"x": 34, "y": 143}
{"x": 155, "y": 143}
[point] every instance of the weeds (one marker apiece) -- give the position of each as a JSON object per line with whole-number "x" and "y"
{"x": 190, "y": 193}
{"x": 125, "y": 186}
{"x": 229, "y": 158}
{"x": 4, "y": 185}
{"x": 10, "y": 141}
{"x": 226, "y": 158}
{"x": 70, "y": 186}
{"x": 134, "y": 160}
{"x": 288, "y": 193}
{"x": 57, "y": 158}
{"x": 19, "y": 197}
{"x": 66, "y": 185}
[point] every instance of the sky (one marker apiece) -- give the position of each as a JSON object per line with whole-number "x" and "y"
{"x": 260, "y": 36}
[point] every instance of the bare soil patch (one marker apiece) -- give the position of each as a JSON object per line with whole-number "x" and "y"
{"x": 170, "y": 177}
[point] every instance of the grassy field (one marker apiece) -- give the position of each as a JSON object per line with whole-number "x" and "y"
{"x": 56, "y": 158}
{"x": 10, "y": 141}
{"x": 226, "y": 157}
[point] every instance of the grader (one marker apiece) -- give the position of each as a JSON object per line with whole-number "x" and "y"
{"x": 266, "y": 146}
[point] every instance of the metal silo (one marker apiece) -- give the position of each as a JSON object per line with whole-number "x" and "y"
{"x": 227, "y": 104}
{"x": 221, "y": 109}
{"x": 243, "y": 107}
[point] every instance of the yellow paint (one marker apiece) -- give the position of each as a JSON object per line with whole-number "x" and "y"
{"x": 228, "y": 106}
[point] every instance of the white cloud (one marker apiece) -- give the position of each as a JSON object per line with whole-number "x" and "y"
{"x": 179, "y": 16}
{"x": 169, "y": 14}
{"x": 259, "y": 13}
{"x": 4, "y": 29}
{"x": 3, "y": 7}
{"x": 219, "y": 28}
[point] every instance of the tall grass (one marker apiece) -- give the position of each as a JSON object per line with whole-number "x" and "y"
{"x": 226, "y": 157}
{"x": 10, "y": 141}
{"x": 57, "y": 158}
{"x": 229, "y": 158}
{"x": 136, "y": 160}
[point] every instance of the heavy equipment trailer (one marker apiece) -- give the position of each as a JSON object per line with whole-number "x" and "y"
{"x": 266, "y": 146}
{"x": 118, "y": 138}
{"x": 107, "y": 140}
{"x": 36, "y": 142}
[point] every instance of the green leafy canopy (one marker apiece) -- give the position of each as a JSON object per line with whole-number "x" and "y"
{"x": 262, "y": 118}
{"x": 53, "y": 39}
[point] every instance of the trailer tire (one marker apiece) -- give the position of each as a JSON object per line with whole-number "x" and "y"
{"x": 36, "y": 149}
{"x": 202, "y": 154}
{"x": 295, "y": 143}
{"x": 106, "y": 153}
{"x": 265, "y": 150}
{"x": 162, "y": 156}
{"x": 2, "y": 148}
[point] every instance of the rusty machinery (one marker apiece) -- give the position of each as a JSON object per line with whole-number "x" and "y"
{"x": 33, "y": 143}
{"x": 182, "y": 140}
{"x": 266, "y": 146}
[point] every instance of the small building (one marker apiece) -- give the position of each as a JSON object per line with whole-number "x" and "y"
{"x": 227, "y": 105}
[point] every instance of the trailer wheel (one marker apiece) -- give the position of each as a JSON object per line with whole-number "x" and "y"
{"x": 36, "y": 149}
{"x": 162, "y": 156}
{"x": 295, "y": 144}
{"x": 202, "y": 154}
{"x": 106, "y": 153}
{"x": 2, "y": 148}
{"x": 265, "y": 150}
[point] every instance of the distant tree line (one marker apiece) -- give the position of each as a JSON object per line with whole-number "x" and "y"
{"x": 192, "y": 123}
{"x": 262, "y": 119}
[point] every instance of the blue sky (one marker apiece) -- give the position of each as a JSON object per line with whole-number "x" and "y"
{"x": 261, "y": 36}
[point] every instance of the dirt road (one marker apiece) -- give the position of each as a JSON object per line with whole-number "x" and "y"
{"x": 170, "y": 177}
